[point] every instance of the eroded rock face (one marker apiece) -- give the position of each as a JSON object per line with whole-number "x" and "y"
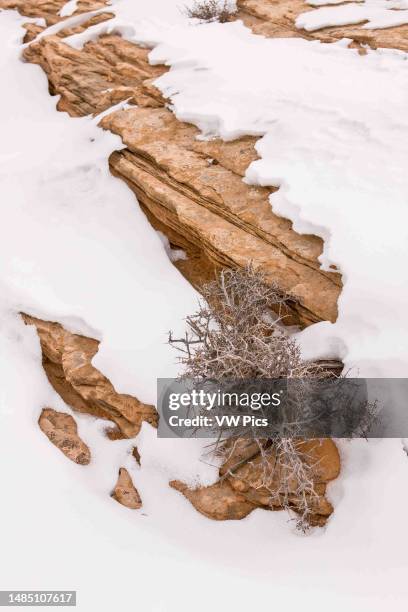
{"x": 61, "y": 429}
{"x": 48, "y": 9}
{"x": 176, "y": 179}
{"x": 67, "y": 361}
{"x": 125, "y": 492}
{"x": 191, "y": 190}
{"x": 241, "y": 487}
{"x": 276, "y": 18}
{"x": 101, "y": 74}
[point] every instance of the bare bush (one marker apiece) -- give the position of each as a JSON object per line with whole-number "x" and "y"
{"x": 281, "y": 467}
{"x": 210, "y": 10}
{"x": 237, "y": 334}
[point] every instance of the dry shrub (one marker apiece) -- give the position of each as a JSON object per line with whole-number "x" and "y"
{"x": 210, "y": 10}
{"x": 283, "y": 469}
{"x": 237, "y": 334}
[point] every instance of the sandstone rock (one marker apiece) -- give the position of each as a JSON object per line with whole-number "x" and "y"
{"x": 211, "y": 207}
{"x": 276, "y": 18}
{"x": 67, "y": 360}
{"x": 241, "y": 487}
{"x": 218, "y": 502}
{"x": 48, "y": 9}
{"x": 191, "y": 190}
{"x": 249, "y": 480}
{"x": 61, "y": 429}
{"x": 125, "y": 492}
{"x": 114, "y": 433}
{"x": 202, "y": 206}
{"x": 101, "y": 74}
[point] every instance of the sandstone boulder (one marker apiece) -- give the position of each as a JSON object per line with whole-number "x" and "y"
{"x": 243, "y": 486}
{"x": 125, "y": 492}
{"x": 61, "y": 429}
{"x": 218, "y": 502}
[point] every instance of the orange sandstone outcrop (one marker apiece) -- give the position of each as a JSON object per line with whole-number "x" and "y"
{"x": 67, "y": 361}
{"x": 190, "y": 189}
{"x": 276, "y": 18}
{"x": 242, "y": 486}
{"x": 49, "y": 9}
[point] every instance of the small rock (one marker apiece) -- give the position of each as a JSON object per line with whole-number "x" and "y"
{"x": 61, "y": 429}
{"x": 125, "y": 492}
{"x": 218, "y": 502}
{"x": 114, "y": 433}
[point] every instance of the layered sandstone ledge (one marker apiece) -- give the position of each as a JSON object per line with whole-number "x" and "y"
{"x": 48, "y": 9}
{"x": 190, "y": 189}
{"x": 276, "y": 18}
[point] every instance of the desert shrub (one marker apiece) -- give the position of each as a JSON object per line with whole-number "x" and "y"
{"x": 211, "y": 10}
{"x": 237, "y": 332}
{"x": 237, "y": 335}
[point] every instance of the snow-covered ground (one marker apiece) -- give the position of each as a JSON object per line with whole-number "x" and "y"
{"x": 75, "y": 248}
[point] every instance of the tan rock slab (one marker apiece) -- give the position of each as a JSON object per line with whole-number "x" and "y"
{"x": 276, "y": 18}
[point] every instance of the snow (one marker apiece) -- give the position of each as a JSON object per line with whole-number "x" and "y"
{"x": 173, "y": 254}
{"x": 75, "y": 248}
{"x": 325, "y": 2}
{"x": 375, "y": 14}
{"x": 68, "y": 8}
